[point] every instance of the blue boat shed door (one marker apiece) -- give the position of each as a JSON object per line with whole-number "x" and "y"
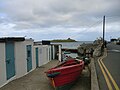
{"x": 10, "y": 60}
{"x": 29, "y": 58}
{"x": 36, "y": 49}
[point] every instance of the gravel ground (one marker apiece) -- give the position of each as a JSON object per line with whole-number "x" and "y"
{"x": 37, "y": 80}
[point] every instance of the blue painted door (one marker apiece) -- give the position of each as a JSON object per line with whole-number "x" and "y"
{"x": 29, "y": 58}
{"x": 10, "y": 60}
{"x": 36, "y": 49}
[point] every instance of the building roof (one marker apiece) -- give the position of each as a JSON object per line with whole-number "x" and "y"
{"x": 14, "y": 39}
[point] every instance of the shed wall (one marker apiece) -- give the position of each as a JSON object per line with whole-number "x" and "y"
{"x": 20, "y": 59}
{"x": 30, "y": 42}
{"x": 2, "y": 64}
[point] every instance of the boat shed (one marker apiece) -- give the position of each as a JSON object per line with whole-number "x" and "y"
{"x": 42, "y": 54}
{"x": 19, "y": 56}
{"x": 56, "y": 50}
{"x": 16, "y": 58}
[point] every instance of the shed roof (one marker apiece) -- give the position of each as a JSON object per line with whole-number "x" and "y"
{"x": 14, "y": 39}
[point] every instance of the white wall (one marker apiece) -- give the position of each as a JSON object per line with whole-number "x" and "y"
{"x": 59, "y": 49}
{"x": 40, "y": 55}
{"x": 30, "y": 42}
{"x": 20, "y": 59}
{"x": 60, "y": 53}
{"x": 34, "y": 47}
{"x": 53, "y": 51}
{"x": 2, "y": 64}
{"x": 43, "y": 54}
{"x": 49, "y": 53}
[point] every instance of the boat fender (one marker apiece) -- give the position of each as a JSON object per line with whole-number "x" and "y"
{"x": 52, "y": 75}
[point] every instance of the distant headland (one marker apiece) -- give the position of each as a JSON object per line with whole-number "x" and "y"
{"x": 64, "y": 40}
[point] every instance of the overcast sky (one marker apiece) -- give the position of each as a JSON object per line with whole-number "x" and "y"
{"x": 59, "y": 19}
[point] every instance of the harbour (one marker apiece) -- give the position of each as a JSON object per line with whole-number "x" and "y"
{"x": 59, "y": 45}
{"x": 42, "y": 59}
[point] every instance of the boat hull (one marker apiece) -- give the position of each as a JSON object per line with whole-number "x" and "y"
{"x": 67, "y": 74}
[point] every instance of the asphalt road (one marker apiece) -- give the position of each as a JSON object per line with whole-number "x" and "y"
{"x": 109, "y": 77}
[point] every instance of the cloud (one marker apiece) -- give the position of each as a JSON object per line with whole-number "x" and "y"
{"x": 58, "y": 18}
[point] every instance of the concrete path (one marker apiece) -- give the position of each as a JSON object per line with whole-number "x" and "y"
{"x": 37, "y": 80}
{"x": 83, "y": 83}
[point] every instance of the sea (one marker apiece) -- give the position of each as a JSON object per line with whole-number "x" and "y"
{"x": 72, "y": 45}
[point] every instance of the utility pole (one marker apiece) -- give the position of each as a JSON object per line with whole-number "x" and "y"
{"x": 103, "y": 31}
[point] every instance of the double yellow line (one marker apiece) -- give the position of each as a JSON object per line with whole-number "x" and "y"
{"x": 106, "y": 72}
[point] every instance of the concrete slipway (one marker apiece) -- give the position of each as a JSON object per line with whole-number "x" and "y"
{"x": 36, "y": 80}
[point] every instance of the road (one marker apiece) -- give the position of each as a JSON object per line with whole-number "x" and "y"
{"x": 108, "y": 68}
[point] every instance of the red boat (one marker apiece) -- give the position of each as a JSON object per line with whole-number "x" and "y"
{"x": 65, "y": 73}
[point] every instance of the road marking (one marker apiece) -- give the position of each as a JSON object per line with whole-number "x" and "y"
{"x": 110, "y": 76}
{"x": 105, "y": 76}
{"x": 114, "y": 50}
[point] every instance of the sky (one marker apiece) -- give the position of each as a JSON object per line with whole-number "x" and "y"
{"x": 59, "y": 19}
